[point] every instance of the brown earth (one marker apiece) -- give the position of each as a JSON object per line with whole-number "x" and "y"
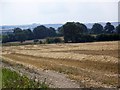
{"x": 88, "y": 64}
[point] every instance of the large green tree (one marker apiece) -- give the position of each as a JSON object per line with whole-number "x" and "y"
{"x": 97, "y": 28}
{"x": 69, "y": 31}
{"x": 29, "y": 34}
{"x": 72, "y": 30}
{"x": 109, "y": 28}
{"x": 51, "y": 32}
{"x": 60, "y": 31}
{"x": 5, "y": 38}
{"x": 82, "y": 28}
{"x": 19, "y": 35}
{"x": 40, "y": 32}
{"x": 118, "y": 29}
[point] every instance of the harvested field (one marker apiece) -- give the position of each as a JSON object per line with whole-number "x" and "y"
{"x": 87, "y": 64}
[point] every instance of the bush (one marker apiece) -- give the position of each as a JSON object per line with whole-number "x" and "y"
{"x": 41, "y": 42}
{"x": 49, "y": 40}
{"x": 85, "y": 38}
{"x": 57, "y": 40}
{"x": 53, "y": 40}
{"x": 108, "y": 37}
{"x": 35, "y": 40}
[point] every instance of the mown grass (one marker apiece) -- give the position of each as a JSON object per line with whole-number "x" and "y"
{"x": 12, "y": 79}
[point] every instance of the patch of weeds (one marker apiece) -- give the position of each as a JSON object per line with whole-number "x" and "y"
{"x": 11, "y": 79}
{"x": 67, "y": 70}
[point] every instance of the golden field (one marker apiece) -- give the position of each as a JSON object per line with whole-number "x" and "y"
{"x": 90, "y": 64}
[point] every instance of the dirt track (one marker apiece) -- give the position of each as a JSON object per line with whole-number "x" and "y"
{"x": 50, "y": 77}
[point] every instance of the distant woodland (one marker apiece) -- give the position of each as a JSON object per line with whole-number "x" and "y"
{"x": 73, "y": 32}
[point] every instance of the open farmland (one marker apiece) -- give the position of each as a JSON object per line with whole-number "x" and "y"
{"x": 86, "y": 64}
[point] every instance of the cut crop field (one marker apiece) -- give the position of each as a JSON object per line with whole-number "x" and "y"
{"x": 87, "y": 64}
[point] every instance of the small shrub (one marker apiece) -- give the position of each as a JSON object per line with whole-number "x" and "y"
{"x": 40, "y": 42}
{"x": 35, "y": 40}
{"x": 57, "y": 40}
{"x": 53, "y": 40}
{"x": 49, "y": 40}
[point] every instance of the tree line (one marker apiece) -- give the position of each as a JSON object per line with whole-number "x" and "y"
{"x": 39, "y": 32}
{"x": 71, "y": 31}
{"x": 78, "y": 32}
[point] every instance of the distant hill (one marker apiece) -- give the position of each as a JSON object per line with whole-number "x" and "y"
{"x": 8, "y": 28}
{"x": 31, "y": 26}
{"x": 53, "y": 25}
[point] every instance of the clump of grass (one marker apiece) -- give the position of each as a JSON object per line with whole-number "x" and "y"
{"x": 0, "y": 77}
{"x": 66, "y": 70}
{"x": 12, "y": 79}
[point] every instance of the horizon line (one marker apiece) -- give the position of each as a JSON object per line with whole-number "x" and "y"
{"x": 57, "y": 23}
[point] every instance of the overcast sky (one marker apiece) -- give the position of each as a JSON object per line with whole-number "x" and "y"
{"x": 14, "y": 12}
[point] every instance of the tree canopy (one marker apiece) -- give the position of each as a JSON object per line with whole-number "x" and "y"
{"x": 19, "y": 34}
{"x": 118, "y": 29}
{"x": 97, "y": 28}
{"x": 41, "y": 32}
{"x": 71, "y": 30}
{"x": 109, "y": 28}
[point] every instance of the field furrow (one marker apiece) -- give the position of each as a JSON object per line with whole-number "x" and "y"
{"x": 90, "y": 64}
